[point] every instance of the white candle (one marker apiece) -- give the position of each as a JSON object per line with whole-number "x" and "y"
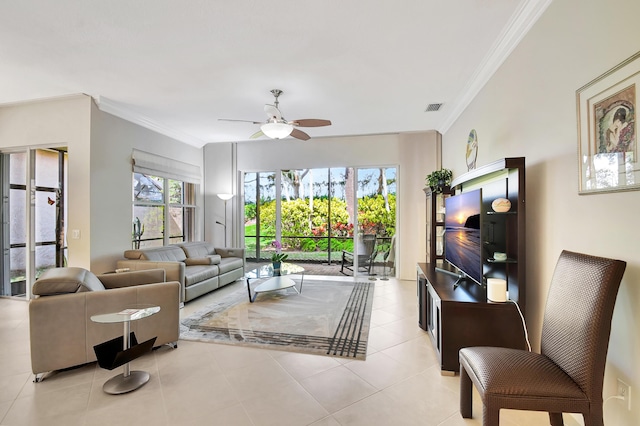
{"x": 496, "y": 290}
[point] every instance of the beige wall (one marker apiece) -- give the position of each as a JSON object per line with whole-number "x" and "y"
{"x": 528, "y": 109}
{"x": 55, "y": 123}
{"x": 112, "y": 141}
{"x": 99, "y": 147}
{"x": 414, "y": 154}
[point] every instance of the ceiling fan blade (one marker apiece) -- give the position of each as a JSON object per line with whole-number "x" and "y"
{"x": 311, "y": 122}
{"x": 242, "y": 121}
{"x": 299, "y": 134}
{"x": 272, "y": 112}
{"x": 256, "y": 135}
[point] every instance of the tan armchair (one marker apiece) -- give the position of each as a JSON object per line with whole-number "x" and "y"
{"x": 62, "y": 334}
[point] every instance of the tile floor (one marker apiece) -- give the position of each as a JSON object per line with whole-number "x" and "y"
{"x": 208, "y": 384}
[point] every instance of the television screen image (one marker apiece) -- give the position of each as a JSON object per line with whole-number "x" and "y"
{"x": 462, "y": 243}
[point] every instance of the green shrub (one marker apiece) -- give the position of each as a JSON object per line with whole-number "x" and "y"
{"x": 298, "y": 220}
{"x": 249, "y": 212}
{"x": 308, "y": 244}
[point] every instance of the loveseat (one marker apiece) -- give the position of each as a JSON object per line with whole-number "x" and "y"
{"x": 62, "y": 334}
{"x": 198, "y": 266}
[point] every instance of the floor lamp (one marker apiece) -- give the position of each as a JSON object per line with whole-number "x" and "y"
{"x": 225, "y": 198}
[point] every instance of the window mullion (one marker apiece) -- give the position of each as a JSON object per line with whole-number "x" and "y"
{"x": 165, "y": 225}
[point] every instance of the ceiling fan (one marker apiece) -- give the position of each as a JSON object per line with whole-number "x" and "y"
{"x": 276, "y": 127}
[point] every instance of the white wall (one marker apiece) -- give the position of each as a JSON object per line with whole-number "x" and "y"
{"x": 415, "y": 155}
{"x": 219, "y": 178}
{"x": 528, "y": 109}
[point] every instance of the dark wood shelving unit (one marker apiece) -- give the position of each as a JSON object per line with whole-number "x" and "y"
{"x": 461, "y": 317}
{"x": 435, "y": 223}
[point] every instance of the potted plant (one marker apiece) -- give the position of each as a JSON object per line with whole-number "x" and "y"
{"x": 439, "y": 179}
{"x": 138, "y": 230}
{"x": 278, "y": 257}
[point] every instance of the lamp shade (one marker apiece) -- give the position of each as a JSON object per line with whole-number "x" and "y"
{"x": 225, "y": 197}
{"x": 276, "y": 130}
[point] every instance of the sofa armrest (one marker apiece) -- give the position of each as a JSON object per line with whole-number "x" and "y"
{"x": 231, "y": 252}
{"x": 128, "y": 279}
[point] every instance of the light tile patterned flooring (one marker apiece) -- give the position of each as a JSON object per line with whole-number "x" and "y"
{"x": 208, "y": 384}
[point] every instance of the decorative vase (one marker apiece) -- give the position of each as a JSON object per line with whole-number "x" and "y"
{"x": 501, "y": 205}
{"x": 276, "y": 268}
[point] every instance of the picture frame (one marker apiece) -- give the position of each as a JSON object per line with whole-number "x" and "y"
{"x": 608, "y": 130}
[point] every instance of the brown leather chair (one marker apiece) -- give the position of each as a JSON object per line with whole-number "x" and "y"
{"x": 567, "y": 376}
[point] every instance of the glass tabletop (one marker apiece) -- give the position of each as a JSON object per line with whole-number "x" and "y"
{"x": 266, "y": 270}
{"x": 128, "y": 314}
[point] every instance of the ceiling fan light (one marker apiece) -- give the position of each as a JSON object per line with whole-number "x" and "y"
{"x": 276, "y": 130}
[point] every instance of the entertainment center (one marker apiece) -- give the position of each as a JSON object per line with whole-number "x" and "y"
{"x": 467, "y": 243}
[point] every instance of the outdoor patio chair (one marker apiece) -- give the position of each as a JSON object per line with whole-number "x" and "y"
{"x": 366, "y": 255}
{"x": 390, "y": 257}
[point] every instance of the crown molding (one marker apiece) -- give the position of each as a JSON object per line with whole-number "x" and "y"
{"x": 119, "y": 110}
{"x": 515, "y": 30}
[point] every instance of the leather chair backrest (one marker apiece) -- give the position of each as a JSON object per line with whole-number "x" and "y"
{"x": 577, "y": 320}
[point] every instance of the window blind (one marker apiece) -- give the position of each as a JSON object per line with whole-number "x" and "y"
{"x": 157, "y": 165}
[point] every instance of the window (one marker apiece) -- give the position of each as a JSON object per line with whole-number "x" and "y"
{"x": 156, "y": 209}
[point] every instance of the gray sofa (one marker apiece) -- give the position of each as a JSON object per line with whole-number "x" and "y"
{"x": 199, "y": 267}
{"x": 62, "y": 334}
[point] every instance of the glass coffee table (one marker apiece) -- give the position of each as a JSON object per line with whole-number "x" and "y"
{"x": 275, "y": 279}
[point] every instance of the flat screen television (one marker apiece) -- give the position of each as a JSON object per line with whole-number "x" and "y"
{"x": 462, "y": 239}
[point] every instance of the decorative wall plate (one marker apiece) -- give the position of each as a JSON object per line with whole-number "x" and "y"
{"x": 472, "y": 150}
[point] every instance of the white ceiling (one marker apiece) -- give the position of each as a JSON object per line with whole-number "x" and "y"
{"x": 177, "y": 66}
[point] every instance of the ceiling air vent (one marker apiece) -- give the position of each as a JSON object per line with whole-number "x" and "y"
{"x": 433, "y": 107}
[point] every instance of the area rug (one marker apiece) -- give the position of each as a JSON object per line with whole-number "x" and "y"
{"x": 326, "y": 318}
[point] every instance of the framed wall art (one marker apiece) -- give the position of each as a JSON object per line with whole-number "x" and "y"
{"x": 608, "y": 129}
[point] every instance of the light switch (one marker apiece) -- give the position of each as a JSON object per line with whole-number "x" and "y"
{"x": 75, "y": 234}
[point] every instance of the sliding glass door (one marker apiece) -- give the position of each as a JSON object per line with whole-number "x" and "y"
{"x": 33, "y": 216}
{"x": 259, "y": 214}
{"x": 304, "y": 213}
{"x": 318, "y": 214}
{"x": 376, "y": 195}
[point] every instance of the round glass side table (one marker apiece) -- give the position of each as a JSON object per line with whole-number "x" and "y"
{"x": 129, "y": 380}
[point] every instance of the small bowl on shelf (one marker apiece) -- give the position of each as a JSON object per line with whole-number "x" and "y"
{"x": 500, "y": 257}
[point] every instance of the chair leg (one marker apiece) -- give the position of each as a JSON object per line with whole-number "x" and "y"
{"x": 556, "y": 419}
{"x": 595, "y": 417}
{"x": 466, "y": 394}
{"x": 490, "y": 415}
